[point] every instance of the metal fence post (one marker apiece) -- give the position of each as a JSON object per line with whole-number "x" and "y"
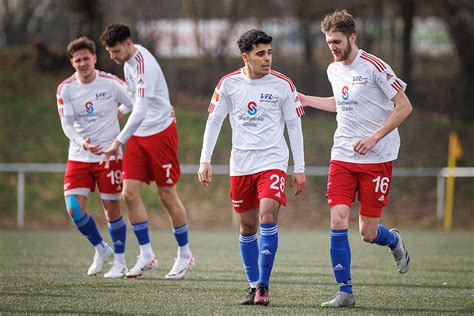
{"x": 20, "y": 220}
{"x": 440, "y": 185}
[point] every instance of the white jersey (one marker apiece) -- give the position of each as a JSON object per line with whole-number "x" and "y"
{"x": 145, "y": 79}
{"x": 257, "y": 109}
{"x": 89, "y": 110}
{"x": 363, "y": 92}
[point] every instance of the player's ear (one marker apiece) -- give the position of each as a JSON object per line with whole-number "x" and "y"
{"x": 245, "y": 57}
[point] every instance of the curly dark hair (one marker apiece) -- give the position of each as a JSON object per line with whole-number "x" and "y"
{"x": 115, "y": 34}
{"x": 339, "y": 21}
{"x": 253, "y": 37}
{"x": 80, "y": 43}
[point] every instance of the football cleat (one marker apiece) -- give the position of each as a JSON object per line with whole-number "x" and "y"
{"x": 262, "y": 295}
{"x": 342, "y": 299}
{"x": 143, "y": 264}
{"x": 180, "y": 267}
{"x": 250, "y": 298}
{"x": 118, "y": 270}
{"x": 99, "y": 260}
{"x": 400, "y": 253}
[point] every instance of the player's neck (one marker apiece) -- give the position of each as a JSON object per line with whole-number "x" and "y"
{"x": 351, "y": 56}
{"x": 87, "y": 79}
{"x": 250, "y": 74}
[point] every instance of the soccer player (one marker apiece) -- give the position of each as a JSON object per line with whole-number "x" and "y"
{"x": 259, "y": 102}
{"x": 370, "y": 103}
{"x": 152, "y": 149}
{"x": 88, "y": 108}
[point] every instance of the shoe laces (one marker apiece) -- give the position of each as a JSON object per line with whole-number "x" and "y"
{"x": 261, "y": 289}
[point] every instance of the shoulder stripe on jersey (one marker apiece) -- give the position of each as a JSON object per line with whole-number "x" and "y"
{"x": 374, "y": 61}
{"x": 236, "y": 72}
{"x": 282, "y": 76}
{"x": 300, "y": 111}
{"x": 110, "y": 76}
{"x": 211, "y": 107}
{"x": 141, "y": 63}
{"x": 64, "y": 82}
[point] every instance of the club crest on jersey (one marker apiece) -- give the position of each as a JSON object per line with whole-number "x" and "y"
{"x": 252, "y": 108}
{"x": 345, "y": 93}
{"x": 89, "y": 107}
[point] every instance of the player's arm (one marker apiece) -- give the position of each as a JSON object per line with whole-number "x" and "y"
{"x": 213, "y": 128}
{"x": 295, "y": 135}
{"x": 67, "y": 117}
{"x": 325, "y": 104}
{"x": 133, "y": 122}
{"x": 402, "y": 109}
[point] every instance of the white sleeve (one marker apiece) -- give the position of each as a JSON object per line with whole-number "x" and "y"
{"x": 295, "y": 134}
{"x": 213, "y": 128}
{"x": 122, "y": 96}
{"x": 125, "y": 108}
{"x": 67, "y": 123}
{"x": 135, "y": 119}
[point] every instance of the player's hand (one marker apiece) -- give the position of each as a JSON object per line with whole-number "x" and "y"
{"x": 205, "y": 174}
{"x": 95, "y": 149}
{"x": 364, "y": 145}
{"x": 302, "y": 98}
{"x": 300, "y": 180}
{"x": 112, "y": 151}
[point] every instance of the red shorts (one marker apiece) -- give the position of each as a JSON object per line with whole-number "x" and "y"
{"x": 371, "y": 181}
{"x": 153, "y": 158}
{"x": 247, "y": 191}
{"x": 81, "y": 177}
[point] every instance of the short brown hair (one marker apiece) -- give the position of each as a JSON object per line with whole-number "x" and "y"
{"x": 339, "y": 21}
{"x": 80, "y": 43}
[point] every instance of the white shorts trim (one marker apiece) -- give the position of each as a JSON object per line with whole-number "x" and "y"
{"x": 111, "y": 197}
{"x": 78, "y": 191}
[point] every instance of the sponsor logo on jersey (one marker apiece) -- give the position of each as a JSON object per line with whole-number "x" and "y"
{"x": 60, "y": 102}
{"x": 268, "y": 97}
{"x": 140, "y": 82}
{"x": 345, "y": 93}
{"x": 102, "y": 96}
{"x": 89, "y": 107}
{"x": 252, "y": 108}
{"x": 389, "y": 76}
{"x": 359, "y": 80}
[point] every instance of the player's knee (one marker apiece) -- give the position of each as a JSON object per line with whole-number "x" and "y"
{"x": 73, "y": 207}
{"x": 130, "y": 196}
{"x": 338, "y": 222}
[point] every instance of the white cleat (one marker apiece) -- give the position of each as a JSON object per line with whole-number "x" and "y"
{"x": 99, "y": 260}
{"x": 400, "y": 254}
{"x": 143, "y": 264}
{"x": 118, "y": 270}
{"x": 180, "y": 267}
